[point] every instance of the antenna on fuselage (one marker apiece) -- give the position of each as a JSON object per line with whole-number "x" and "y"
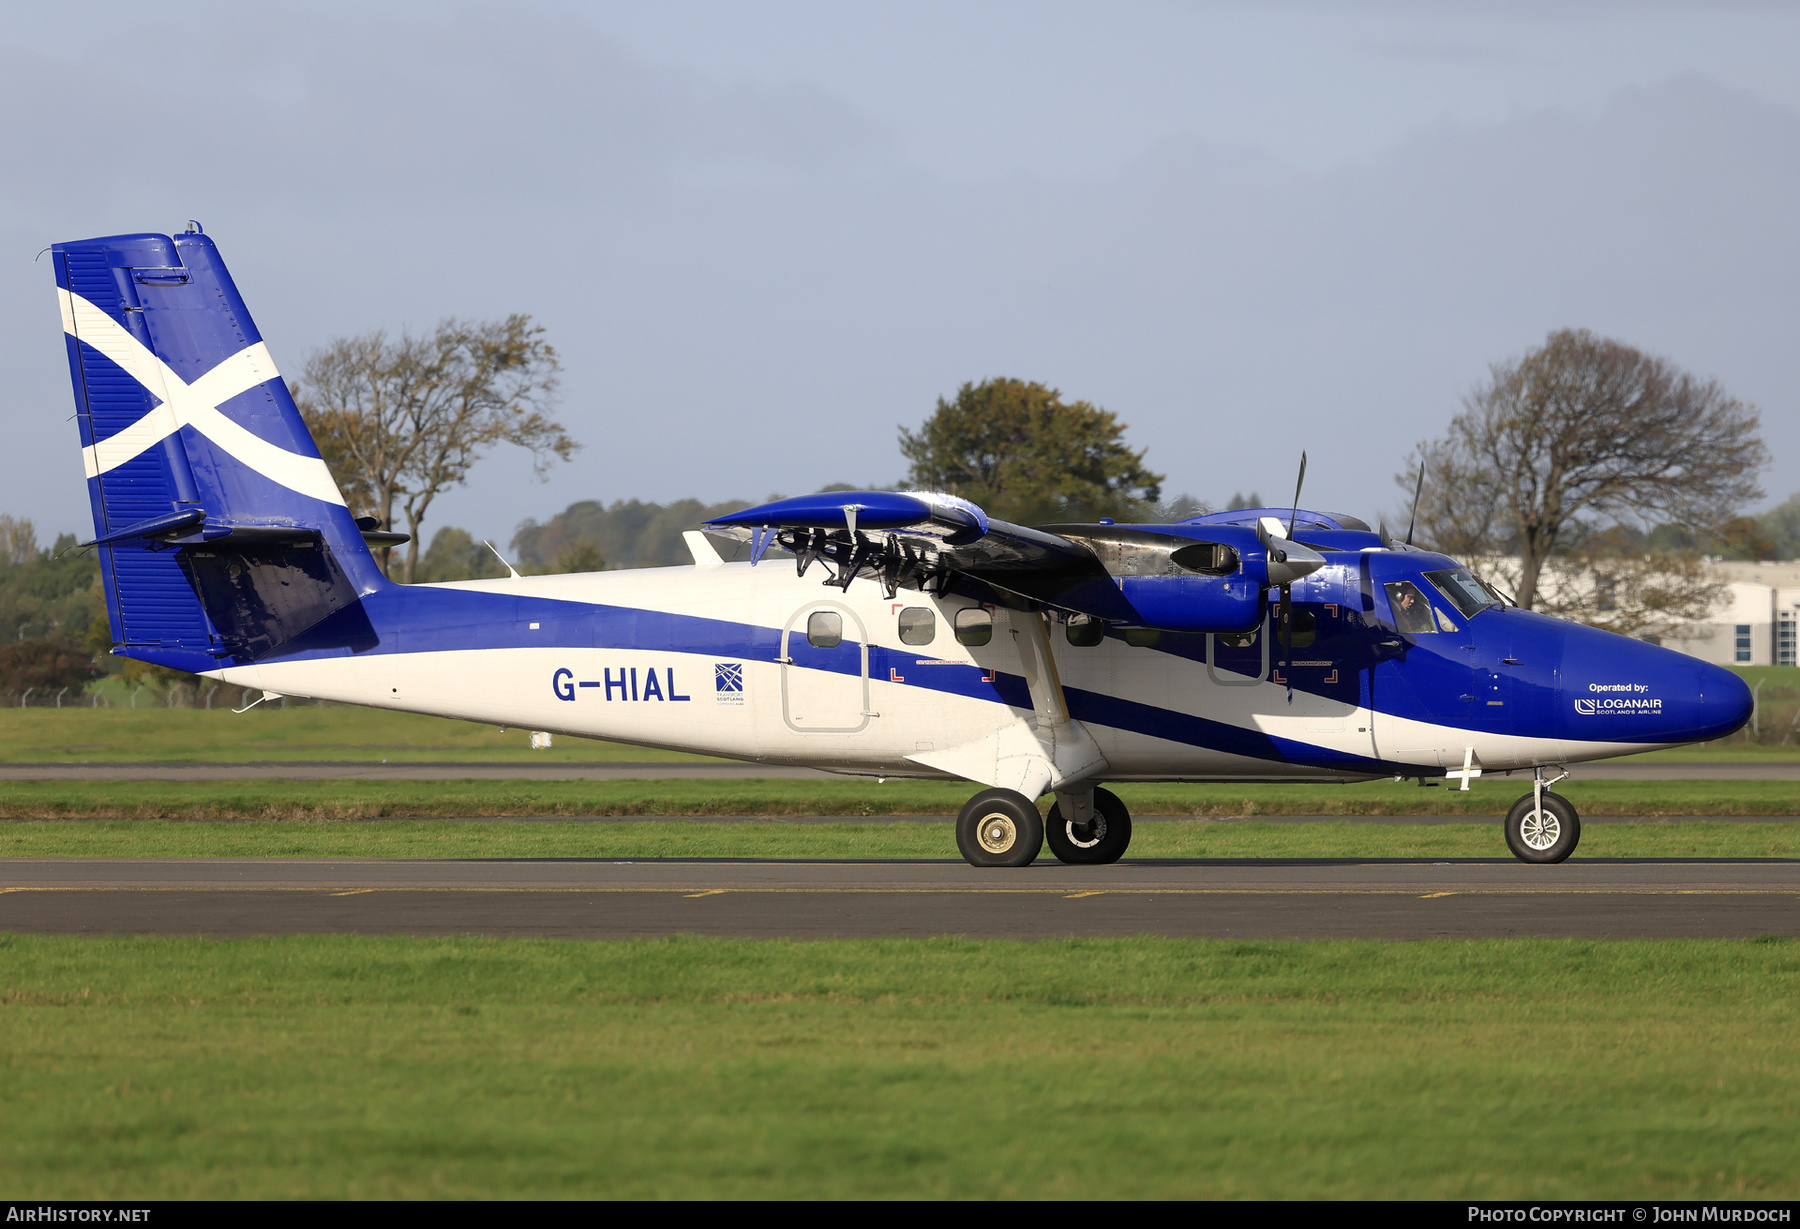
{"x": 1418, "y": 488}
{"x": 502, "y": 558}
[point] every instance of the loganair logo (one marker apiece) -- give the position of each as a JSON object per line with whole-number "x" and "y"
{"x": 1608, "y": 700}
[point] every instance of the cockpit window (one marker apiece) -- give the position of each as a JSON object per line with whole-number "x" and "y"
{"x": 1412, "y": 613}
{"x": 1465, "y": 592}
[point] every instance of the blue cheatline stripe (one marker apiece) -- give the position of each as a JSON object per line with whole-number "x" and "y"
{"x": 422, "y": 620}
{"x": 1097, "y": 708}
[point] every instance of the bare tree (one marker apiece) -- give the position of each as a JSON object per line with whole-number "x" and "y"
{"x": 402, "y": 421}
{"x": 18, "y": 540}
{"x": 1583, "y": 427}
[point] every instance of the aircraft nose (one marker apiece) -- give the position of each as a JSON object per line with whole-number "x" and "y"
{"x": 1618, "y": 690}
{"x": 1724, "y": 704}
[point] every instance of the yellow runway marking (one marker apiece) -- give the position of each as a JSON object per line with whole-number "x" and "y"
{"x": 1435, "y": 895}
{"x": 689, "y": 892}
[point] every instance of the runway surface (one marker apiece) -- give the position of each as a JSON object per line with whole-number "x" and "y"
{"x": 1307, "y": 899}
{"x": 346, "y": 770}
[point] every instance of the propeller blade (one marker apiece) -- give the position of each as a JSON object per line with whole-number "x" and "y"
{"x": 1298, "y": 483}
{"x": 1286, "y": 626}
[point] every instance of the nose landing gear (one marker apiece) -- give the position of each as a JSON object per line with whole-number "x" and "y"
{"x": 1542, "y": 827}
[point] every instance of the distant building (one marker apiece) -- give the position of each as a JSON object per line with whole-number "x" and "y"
{"x": 1756, "y": 626}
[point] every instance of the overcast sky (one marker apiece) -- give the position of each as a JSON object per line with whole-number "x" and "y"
{"x": 764, "y": 236}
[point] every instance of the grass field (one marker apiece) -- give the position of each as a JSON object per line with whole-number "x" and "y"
{"x": 275, "y": 799}
{"x": 413, "y": 1068}
{"x": 696, "y": 838}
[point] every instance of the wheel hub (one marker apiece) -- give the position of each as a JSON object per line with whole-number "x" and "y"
{"x": 1540, "y": 830}
{"x": 1086, "y": 836}
{"x": 996, "y": 832}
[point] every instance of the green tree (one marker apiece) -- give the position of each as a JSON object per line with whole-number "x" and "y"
{"x": 44, "y": 666}
{"x": 456, "y": 555}
{"x": 577, "y": 557}
{"x": 1782, "y": 524}
{"x": 627, "y": 534}
{"x": 53, "y": 595}
{"x": 1743, "y": 537}
{"x": 1027, "y": 456}
{"x": 400, "y": 422}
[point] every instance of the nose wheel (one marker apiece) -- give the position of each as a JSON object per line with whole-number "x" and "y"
{"x": 1545, "y": 830}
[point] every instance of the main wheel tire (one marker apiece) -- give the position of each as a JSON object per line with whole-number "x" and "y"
{"x": 1549, "y": 835}
{"x": 1000, "y": 827}
{"x": 1094, "y": 844}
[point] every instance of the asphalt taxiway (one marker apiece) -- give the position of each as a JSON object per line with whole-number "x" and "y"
{"x": 569, "y": 898}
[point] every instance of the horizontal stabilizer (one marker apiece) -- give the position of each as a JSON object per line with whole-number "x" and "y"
{"x": 172, "y": 524}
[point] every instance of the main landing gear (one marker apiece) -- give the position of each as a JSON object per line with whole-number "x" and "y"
{"x": 1542, "y": 826}
{"x": 1001, "y": 827}
{"x": 1101, "y": 838}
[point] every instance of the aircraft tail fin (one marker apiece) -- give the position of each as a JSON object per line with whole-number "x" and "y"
{"x": 221, "y": 532}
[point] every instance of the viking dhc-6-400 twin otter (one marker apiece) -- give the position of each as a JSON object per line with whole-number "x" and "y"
{"x": 894, "y": 635}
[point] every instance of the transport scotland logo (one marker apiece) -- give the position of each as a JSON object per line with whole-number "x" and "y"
{"x": 728, "y": 682}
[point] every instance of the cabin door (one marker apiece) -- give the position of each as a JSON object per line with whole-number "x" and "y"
{"x": 825, "y": 670}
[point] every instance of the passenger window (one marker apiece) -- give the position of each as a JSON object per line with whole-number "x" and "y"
{"x": 1085, "y": 631}
{"x": 1303, "y": 631}
{"x": 1412, "y": 613}
{"x": 1143, "y": 637}
{"x": 825, "y": 629}
{"x": 918, "y": 625}
{"x": 974, "y": 627}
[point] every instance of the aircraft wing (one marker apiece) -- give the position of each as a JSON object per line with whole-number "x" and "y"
{"x": 923, "y": 540}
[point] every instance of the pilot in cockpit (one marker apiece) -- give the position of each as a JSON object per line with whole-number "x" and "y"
{"x": 1412, "y": 613}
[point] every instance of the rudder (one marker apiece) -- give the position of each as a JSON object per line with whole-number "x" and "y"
{"x": 221, "y": 532}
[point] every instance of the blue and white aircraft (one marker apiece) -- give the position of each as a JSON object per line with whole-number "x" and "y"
{"x": 907, "y": 635}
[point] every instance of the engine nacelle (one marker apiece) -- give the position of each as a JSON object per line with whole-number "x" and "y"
{"x": 1195, "y": 603}
{"x": 1183, "y": 584}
